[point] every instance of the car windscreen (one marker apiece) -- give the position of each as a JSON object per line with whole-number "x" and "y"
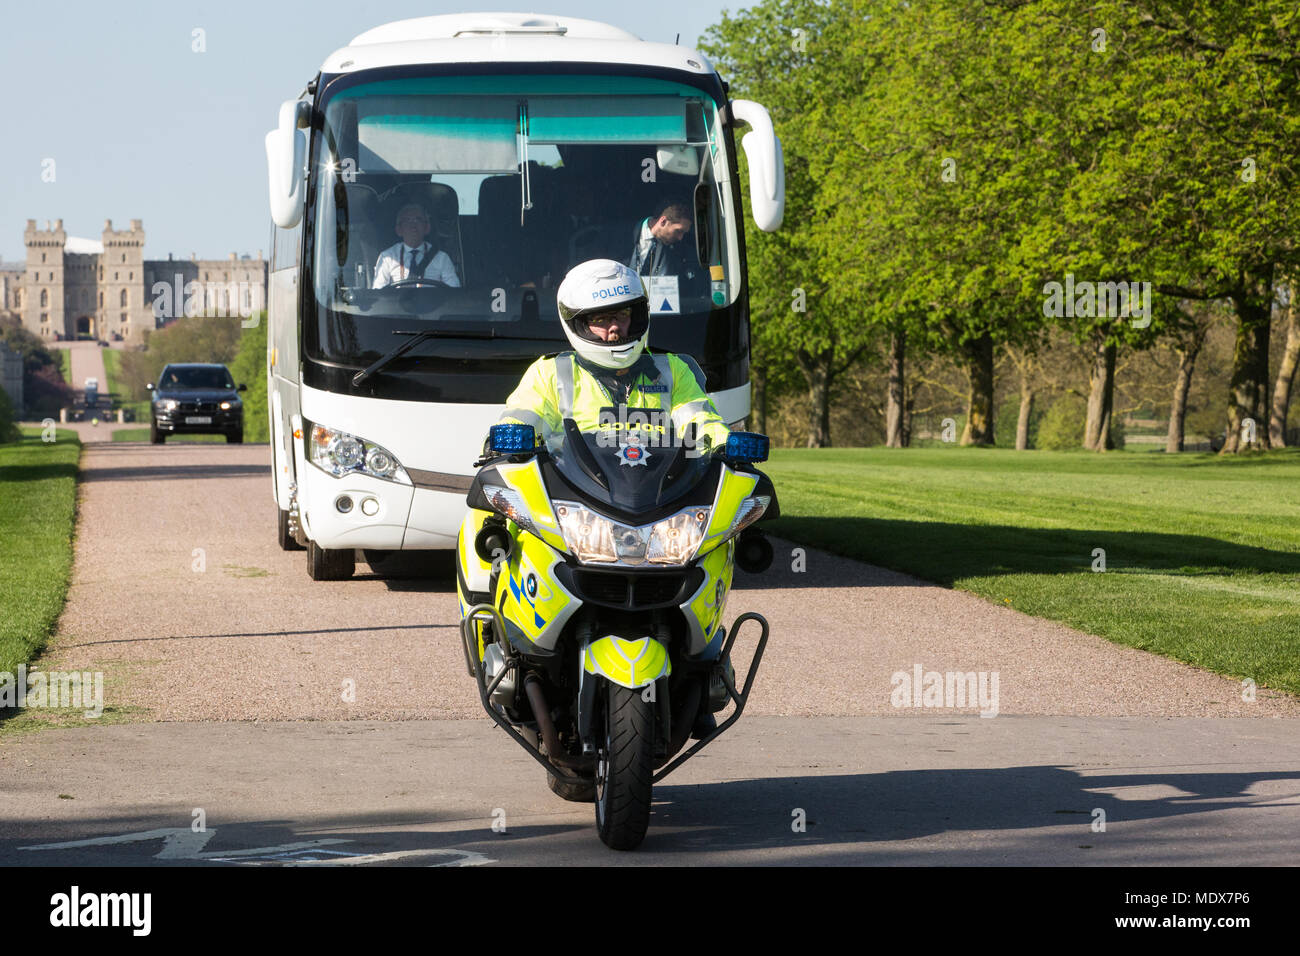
{"x": 197, "y": 378}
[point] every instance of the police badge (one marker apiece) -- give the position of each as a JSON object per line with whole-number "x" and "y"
{"x": 633, "y": 452}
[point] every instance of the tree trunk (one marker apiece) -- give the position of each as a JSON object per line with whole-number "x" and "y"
{"x": 758, "y": 401}
{"x": 979, "y": 404}
{"x": 1182, "y": 385}
{"x": 817, "y": 371}
{"x": 1248, "y": 387}
{"x": 1022, "y": 423}
{"x": 909, "y": 403}
{"x": 1101, "y": 398}
{"x": 894, "y": 410}
{"x": 1285, "y": 375}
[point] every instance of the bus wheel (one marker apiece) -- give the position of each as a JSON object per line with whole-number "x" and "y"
{"x": 329, "y": 564}
{"x": 286, "y": 540}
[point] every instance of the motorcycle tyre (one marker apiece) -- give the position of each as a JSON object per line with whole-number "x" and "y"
{"x": 623, "y": 789}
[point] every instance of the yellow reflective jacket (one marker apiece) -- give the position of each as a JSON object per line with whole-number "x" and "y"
{"x": 553, "y": 389}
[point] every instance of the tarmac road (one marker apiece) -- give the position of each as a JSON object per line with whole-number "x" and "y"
{"x": 229, "y": 665}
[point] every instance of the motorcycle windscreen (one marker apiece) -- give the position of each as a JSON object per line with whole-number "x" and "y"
{"x": 632, "y": 471}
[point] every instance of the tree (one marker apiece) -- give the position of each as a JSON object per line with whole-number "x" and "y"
{"x": 1286, "y": 372}
{"x": 770, "y": 53}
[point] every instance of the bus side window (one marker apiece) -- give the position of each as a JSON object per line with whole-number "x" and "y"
{"x": 286, "y": 248}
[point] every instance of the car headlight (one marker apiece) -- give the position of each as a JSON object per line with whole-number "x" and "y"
{"x": 227, "y": 406}
{"x": 167, "y": 405}
{"x": 340, "y": 453}
{"x": 511, "y": 504}
{"x": 674, "y": 540}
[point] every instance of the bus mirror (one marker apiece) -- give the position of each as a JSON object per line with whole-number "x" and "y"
{"x": 286, "y": 157}
{"x": 766, "y": 164}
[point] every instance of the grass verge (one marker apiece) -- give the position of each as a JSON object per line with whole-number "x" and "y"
{"x": 38, "y": 490}
{"x": 1201, "y": 554}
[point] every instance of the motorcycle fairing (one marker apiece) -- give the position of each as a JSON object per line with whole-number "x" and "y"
{"x": 703, "y": 612}
{"x": 530, "y": 597}
{"x": 630, "y": 663}
{"x": 734, "y": 487}
{"x": 526, "y": 478}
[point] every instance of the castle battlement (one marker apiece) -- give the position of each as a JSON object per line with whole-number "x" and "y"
{"x": 106, "y": 288}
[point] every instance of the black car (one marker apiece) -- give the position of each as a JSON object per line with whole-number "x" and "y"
{"x": 194, "y": 399}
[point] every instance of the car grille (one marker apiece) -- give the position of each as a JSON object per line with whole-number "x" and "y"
{"x": 197, "y": 407}
{"x": 636, "y": 592}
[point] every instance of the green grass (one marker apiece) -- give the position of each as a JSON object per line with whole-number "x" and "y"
{"x": 65, "y": 363}
{"x": 37, "y": 501}
{"x": 142, "y": 434}
{"x": 112, "y": 370}
{"x": 1202, "y": 555}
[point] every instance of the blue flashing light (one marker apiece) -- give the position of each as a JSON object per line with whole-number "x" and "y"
{"x": 511, "y": 439}
{"x": 747, "y": 446}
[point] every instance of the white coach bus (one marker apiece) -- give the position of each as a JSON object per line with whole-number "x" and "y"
{"x": 517, "y": 146}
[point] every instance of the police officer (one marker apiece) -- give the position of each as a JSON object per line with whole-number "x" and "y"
{"x": 606, "y": 318}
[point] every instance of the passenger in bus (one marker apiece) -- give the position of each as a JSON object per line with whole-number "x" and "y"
{"x": 413, "y": 258}
{"x": 658, "y": 247}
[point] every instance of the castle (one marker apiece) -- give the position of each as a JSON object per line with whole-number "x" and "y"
{"x": 106, "y": 289}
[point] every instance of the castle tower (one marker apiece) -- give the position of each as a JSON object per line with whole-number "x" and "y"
{"x": 126, "y": 309}
{"x": 43, "y": 293}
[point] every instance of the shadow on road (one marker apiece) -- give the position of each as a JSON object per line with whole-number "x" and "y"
{"x": 843, "y": 816}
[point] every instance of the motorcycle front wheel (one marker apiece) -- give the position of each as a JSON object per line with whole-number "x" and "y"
{"x": 625, "y": 768}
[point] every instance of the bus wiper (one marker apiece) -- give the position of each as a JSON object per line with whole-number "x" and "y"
{"x": 415, "y": 339}
{"x": 422, "y": 335}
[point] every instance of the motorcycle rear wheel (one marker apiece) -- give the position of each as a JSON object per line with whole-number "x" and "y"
{"x": 625, "y": 769}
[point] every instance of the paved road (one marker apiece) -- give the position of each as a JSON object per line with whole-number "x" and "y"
{"x": 233, "y": 682}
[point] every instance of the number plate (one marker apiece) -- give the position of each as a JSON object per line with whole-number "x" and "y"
{"x": 198, "y": 419}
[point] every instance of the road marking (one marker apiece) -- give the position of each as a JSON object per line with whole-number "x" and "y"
{"x": 181, "y": 843}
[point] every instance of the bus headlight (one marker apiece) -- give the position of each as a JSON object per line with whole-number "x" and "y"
{"x": 340, "y": 453}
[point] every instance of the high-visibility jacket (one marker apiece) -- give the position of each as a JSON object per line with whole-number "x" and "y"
{"x": 557, "y": 388}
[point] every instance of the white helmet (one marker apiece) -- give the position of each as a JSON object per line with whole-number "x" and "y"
{"x": 602, "y": 286}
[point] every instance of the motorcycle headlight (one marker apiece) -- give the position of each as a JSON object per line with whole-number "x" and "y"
{"x": 341, "y": 453}
{"x": 592, "y": 537}
{"x": 674, "y": 540}
{"x": 511, "y": 504}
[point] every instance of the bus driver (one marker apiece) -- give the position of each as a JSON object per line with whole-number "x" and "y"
{"x": 413, "y": 257}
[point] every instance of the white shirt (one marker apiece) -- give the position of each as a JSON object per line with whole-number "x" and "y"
{"x": 394, "y": 262}
{"x": 647, "y": 240}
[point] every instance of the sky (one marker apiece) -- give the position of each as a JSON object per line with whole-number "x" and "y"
{"x": 140, "y": 126}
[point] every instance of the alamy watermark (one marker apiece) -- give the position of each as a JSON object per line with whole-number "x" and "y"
{"x": 172, "y": 300}
{"x": 1101, "y": 300}
{"x": 643, "y": 429}
{"x": 66, "y": 689}
{"x": 922, "y": 688}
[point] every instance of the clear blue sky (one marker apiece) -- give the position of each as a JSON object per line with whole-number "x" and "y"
{"x": 141, "y": 127}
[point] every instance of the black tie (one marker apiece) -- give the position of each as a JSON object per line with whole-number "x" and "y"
{"x": 411, "y": 265}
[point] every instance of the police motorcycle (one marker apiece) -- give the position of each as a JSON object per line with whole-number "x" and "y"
{"x": 592, "y": 579}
